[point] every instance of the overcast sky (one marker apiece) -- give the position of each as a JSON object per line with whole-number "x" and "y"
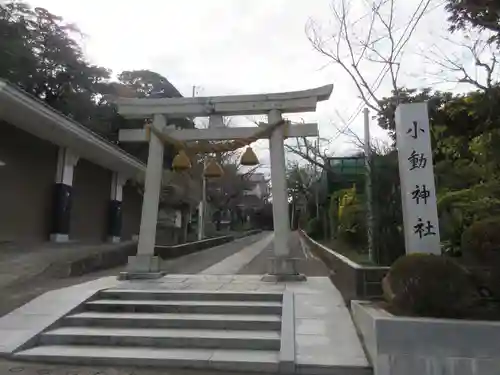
{"x": 227, "y": 46}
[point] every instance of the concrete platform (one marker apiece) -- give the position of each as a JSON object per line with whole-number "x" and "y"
{"x": 324, "y": 335}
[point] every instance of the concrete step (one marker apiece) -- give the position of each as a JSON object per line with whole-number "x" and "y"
{"x": 162, "y": 337}
{"x": 206, "y": 359}
{"x": 174, "y": 320}
{"x": 189, "y": 295}
{"x": 197, "y": 307}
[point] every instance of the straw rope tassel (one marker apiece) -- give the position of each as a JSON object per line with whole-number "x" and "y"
{"x": 216, "y": 148}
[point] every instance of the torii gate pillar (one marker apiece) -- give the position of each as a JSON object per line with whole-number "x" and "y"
{"x": 145, "y": 264}
{"x": 282, "y": 267}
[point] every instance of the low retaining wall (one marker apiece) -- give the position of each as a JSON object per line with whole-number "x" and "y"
{"x": 174, "y": 251}
{"x": 247, "y": 233}
{"x": 427, "y": 346}
{"x": 169, "y": 252}
{"x": 98, "y": 260}
{"x": 354, "y": 281}
{"x": 119, "y": 253}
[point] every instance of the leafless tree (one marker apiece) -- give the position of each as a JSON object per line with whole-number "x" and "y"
{"x": 377, "y": 38}
{"x": 300, "y": 181}
{"x": 471, "y": 59}
{"x": 315, "y": 152}
{"x": 358, "y": 44}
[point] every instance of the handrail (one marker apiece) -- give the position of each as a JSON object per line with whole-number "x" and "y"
{"x": 341, "y": 257}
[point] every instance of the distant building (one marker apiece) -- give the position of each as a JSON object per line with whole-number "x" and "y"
{"x": 256, "y": 192}
{"x": 60, "y": 181}
{"x": 258, "y": 186}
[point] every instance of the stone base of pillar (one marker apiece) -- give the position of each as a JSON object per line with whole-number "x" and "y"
{"x": 283, "y": 269}
{"x": 140, "y": 275}
{"x": 114, "y": 239}
{"x": 142, "y": 267}
{"x": 59, "y": 237}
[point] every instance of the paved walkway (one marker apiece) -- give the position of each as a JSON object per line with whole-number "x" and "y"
{"x": 307, "y": 263}
{"x": 232, "y": 264}
{"x": 22, "y": 276}
{"x": 20, "y": 262}
{"x": 244, "y": 256}
{"x": 325, "y": 337}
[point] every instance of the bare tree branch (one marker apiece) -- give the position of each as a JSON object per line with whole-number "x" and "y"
{"x": 311, "y": 152}
{"x": 384, "y": 38}
{"x": 473, "y": 51}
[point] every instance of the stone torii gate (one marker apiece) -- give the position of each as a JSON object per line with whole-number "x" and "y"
{"x": 145, "y": 264}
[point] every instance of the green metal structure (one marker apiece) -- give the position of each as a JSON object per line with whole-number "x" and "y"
{"x": 342, "y": 173}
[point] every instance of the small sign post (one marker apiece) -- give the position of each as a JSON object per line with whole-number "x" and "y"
{"x": 416, "y": 173}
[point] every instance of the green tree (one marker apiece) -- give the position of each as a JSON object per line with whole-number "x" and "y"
{"x": 39, "y": 53}
{"x": 146, "y": 83}
{"x": 479, "y": 14}
{"x": 465, "y": 132}
{"x": 456, "y": 120}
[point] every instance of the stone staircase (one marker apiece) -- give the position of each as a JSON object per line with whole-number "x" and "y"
{"x": 180, "y": 329}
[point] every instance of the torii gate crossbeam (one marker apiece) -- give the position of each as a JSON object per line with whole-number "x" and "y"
{"x": 145, "y": 264}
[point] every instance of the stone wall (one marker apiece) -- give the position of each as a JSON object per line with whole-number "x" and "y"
{"x": 353, "y": 280}
{"x": 426, "y": 346}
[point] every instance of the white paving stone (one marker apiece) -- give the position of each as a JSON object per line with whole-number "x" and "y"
{"x": 310, "y": 326}
{"x": 325, "y": 336}
{"x": 13, "y": 338}
{"x": 271, "y": 287}
{"x": 25, "y": 321}
{"x": 245, "y": 360}
{"x": 232, "y": 264}
{"x": 168, "y": 357}
{"x": 164, "y": 332}
{"x": 241, "y": 287}
{"x": 147, "y": 316}
{"x": 30, "y": 319}
{"x": 185, "y": 303}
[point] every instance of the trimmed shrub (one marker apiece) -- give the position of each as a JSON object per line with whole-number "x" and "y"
{"x": 429, "y": 285}
{"x": 481, "y": 241}
{"x": 460, "y": 209}
{"x": 481, "y": 245}
{"x": 314, "y": 229}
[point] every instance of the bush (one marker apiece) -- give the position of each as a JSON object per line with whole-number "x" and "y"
{"x": 429, "y": 285}
{"x": 459, "y": 209}
{"x": 352, "y": 226}
{"x": 481, "y": 241}
{"x": 314, "y": 229}
{"x": 481, "y": 245}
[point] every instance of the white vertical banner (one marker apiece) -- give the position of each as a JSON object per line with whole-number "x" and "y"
{"x": 416, "y": 173}
{"x": 178, "y": 219}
